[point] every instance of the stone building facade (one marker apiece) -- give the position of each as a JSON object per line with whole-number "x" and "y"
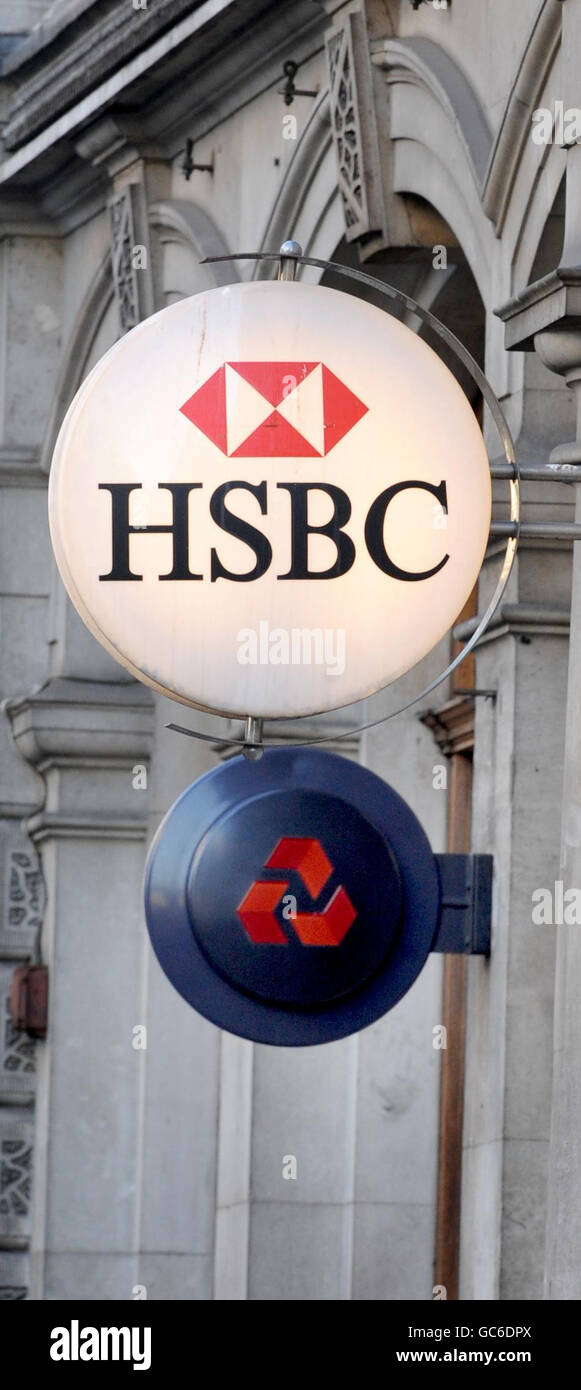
{"x": 126, "y": 1171}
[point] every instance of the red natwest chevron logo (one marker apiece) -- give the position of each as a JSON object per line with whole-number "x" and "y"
{"x": 257, "y": 909}
{"x": 274, "y": 409}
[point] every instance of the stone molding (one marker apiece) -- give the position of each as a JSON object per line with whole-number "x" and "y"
{"x": 424, "y": 62}
{"x": 77, "y": 723}
{"x": 84, "y": 725}
{"x": 553, "y": 301}
{"x": 519, "y": 620}
{"x": 57, "y": 65}
{"x": 86, "y": 65}
{"x": 452, "y": 725}
{"x": 546, "y": 317}
{"x": 49, "y": 825}
{"x": 191, "y": 225}
{"x": 20, "y": 466}
{"x": 515, "y": 127}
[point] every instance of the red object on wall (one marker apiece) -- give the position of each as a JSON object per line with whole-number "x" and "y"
{"x": 29, "y": 1000}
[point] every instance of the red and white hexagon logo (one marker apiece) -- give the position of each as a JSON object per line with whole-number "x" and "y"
{"x": 274, "y": 409}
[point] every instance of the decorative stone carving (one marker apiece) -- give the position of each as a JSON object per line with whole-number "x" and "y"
{"x": 17, "y": 1051}
{"x": 16, "y": 1147}
{"x": 124, "y": 272}
{"x": 10, "y": 1293}
{"x": 131, "y": 255}
{"x": 22, "y": 893}
{"x": 354, "y": 127}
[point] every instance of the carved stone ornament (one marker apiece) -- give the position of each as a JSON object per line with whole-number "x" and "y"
{"x": 22, "y": 893}
{"x": 17, "y": 1050}
{"x": 123, "y": 254}
{"x": 354, "y": 127}
{"x": 15, "y": 1179}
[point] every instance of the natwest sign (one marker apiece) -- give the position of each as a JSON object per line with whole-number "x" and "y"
{"x": 270, "y": 457}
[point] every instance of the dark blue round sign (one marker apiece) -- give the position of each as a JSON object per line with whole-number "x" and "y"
{"x": 294, "y": 900}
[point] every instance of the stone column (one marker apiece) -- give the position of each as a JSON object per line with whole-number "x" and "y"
{"x": 90, "y": 831}
{"x": 548, "y": 317}
{"x": 518, "y": 764}
{"x": 562, "y": 351}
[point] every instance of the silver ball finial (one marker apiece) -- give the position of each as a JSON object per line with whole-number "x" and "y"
{"x": 291, "y": 248}
{"x": 288, "y": 253}
{"x": 252, "y": 752}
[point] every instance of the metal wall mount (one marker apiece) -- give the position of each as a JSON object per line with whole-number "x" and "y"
{"x": 466, "y": 904}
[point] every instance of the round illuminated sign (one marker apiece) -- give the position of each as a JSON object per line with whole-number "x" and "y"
{"x": 270, "y": 499}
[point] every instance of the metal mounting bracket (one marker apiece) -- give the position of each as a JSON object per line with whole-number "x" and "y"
{"x": 465, "y": 916}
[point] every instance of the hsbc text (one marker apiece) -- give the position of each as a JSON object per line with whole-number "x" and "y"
{"x": 233, "y": 525}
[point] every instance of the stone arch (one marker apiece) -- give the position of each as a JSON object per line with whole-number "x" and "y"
{"x": 441, "y": 142}
{"x": 184, "y": 224}
{"x": 533, "y": 72}
{"x": 308, "y": 206}
{"x": 522, "y": 179}
{"x": 90, "y": 316}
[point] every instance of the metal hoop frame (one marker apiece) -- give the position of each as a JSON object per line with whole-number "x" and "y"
{"x": 495, "y": 408}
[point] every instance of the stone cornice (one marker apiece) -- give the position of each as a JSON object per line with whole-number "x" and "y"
{"x": 51, "y": 825}
{"x": 556, "y": 299}
{"x": 452, "y": 725}
{"x": 198, "y": 71}
{"x": 58, "y": 64}
{"x": 83, "y": 723}
{"x": 20, "y": 466}
{"x": 520, "y": 620}
{"x": 89, "y": 68}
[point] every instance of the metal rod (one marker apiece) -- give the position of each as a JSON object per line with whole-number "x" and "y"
{"x": 253, "y": 747}
{"x": 550, "y": 530}
{"x": 289, "y": 253}
{"x": 474, "y": 694}
{"x": 540, "y": 473}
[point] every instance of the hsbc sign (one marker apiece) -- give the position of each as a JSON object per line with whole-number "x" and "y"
{"x": 271, "y": 454}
